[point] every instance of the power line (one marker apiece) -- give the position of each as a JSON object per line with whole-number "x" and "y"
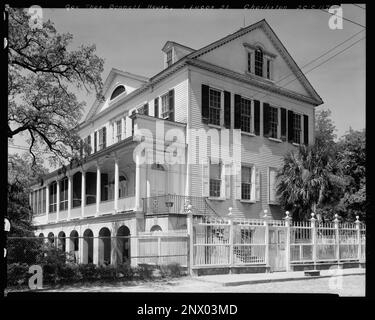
{"x": 356, "y": 23}
{"x": 358, "y": 6}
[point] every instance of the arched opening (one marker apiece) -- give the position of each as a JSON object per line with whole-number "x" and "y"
{"x": 42, "y": 238}
{"x": 74, "y": 245}
{"x": 104, "y": 246}
{"x": 41, "y": 235}
{"x": 156, "y": 228}
{"x": 119, "y": 89}
{"x": 51, "y": 238}
{"x": 61, "y": 241}
{"x": 88, "y": 246}
{"x": 123, "y": 245}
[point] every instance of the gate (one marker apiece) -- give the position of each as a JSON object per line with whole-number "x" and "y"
{"x": 277, "y": 247}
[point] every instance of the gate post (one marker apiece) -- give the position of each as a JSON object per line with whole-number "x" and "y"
{"x": 337, "y": 238}
{"x": 266, "y": 241}
{"x": 358, "y": 227}
{"x": 287, "y": 241}
{"x": 190, "y": 244}
{"x": 231, "y": 240}
{"x": 313, "y": 237}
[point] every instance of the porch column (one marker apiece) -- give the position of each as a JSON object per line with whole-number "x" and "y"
{"x": 287, "y": 241}
{"x": 69, "y": 195}
{"x": 98, "y": 189}
{"x": 358, "y": 227}
{"x": 337, "y": 237}
{"x": 83, "y": 193}
{"x": 137, "y": 184}
{"x": 95, "y": 250}
{"x": 116, "y": 184}
{"x": 57, "y": 200}
{"x": 47, "y": 202}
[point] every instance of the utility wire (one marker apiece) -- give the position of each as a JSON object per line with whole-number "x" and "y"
{"x": 356, "y": 23}
{"x": 358, "y": 6}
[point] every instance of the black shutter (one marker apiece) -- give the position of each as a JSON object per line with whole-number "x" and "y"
{"x": 257, "y": 117}
{"x": 95, "y": 140}
{"x": 89, "y": 144}
{"x": 283, "y": 124}
{"x": 227, "y": 109}
{"x": 305, "y": 129}
{"x": 133, "y": 112}
{"x": 145, "y": 109}
{"x": 237, "y": 111}
{"x": 205, "y": 103}
{"x": 156, "y": 107}
{"x": 171, "y": 105}
{"x": 266, "y": 119}
{"x": 104, "y": 137}
{"x": 290, "y": 126}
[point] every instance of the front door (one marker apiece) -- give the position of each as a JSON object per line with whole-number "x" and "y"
{"x": 158, "y": 188}
{"x": 277, "y": 249}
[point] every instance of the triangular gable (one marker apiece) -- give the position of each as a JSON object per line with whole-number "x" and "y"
{"x": 116, "y": 78}
{"x": 226, "y": 54}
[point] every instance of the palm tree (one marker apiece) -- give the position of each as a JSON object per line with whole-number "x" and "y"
{"x": 309, "y": 179}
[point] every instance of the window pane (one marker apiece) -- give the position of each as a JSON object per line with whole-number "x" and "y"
{"x": 214, "y": 106}
{"x": 215, "y": 171}
{"x": 259, "y": 62}
{"x": 246, "y": 174}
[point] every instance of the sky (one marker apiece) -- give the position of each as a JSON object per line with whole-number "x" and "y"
{"x": 131, "y": 40}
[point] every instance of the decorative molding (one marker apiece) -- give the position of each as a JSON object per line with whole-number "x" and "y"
{"x": 255, "y": 46}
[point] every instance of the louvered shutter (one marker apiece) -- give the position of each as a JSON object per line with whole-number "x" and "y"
{"x": 271, "y": 186}
{"x": 253, "y": 184}
{"x": 223, "y": 182}
{"x": 95, "y": 141}
{"x": 238, "y": 182}
{"x": 227, "y": 109}
{"x": 237, "y": 111}
{"x": 257, "y": 184}
{"x": 89, "y": 144}
{"x": 290, "y": 126}
{"x": 228, "y": 176}
{"x": 145, "y": 109}
{"x": 104, "y": 137}
{"x": 257, "y": 117}
{"x": 283, "y": 124}
{"x": 206, "y": 180}
{"x": 205, "y": 103}
{"x": 266, "y": 119}
{"x": 171, "y": 105}
{"x": 306, "y": 129}
{"x": 156, "y": 107}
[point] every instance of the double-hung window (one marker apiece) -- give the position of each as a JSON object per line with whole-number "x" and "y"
{"x": 245, "y": 115}
{"x": 118, "y": 130}
{"x": 272, "y": 173}
{"x": 248, "y": 61}
{"x": 214, "y": 107}
{"x": 102, "y": 138}
{"x": 273, "y": 122}
{"x": 165, "y": 106}
{"x": 53, "y": 197}
{"x": 297, "y": 128}
{"x": 64, "y": 194}
{"x": 259, "y": 62}
{"x": 169, "y": 57}
{"x": 246, "y": 183}
{"x": 215, "y": 179}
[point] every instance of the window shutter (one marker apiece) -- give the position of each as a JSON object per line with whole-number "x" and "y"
{"x": 253, "y": 184}
{"x": 205, "y": 103}
{"x": 283, "y": 124}
{"x": 257, "y": 184}
{"x": 257, "y": 117}
{"x": 238, "y": 182}
{"x": 290, "y": 126}
{"x": 266, "y": 120}
{"x": 171, "y": 105}
{"x": 206, "y": 180}
{"x": 227, "y": 181}
{"x": 95, "y": 140}
{"x": 145, "y": 109}
{"x": 227, "y": 109}
{"x": 306, "y": 129}
{"x": 223, "y": 182}
{"x": 156, "y": 107}
{"x": 271, "y": 186}
{"x": 104, "y": 137}
{"x": 237, "y": 111}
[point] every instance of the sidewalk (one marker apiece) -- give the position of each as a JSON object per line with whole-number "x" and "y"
{"x": 252, "y": 278}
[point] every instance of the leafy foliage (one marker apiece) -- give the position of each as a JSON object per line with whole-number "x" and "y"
{"x": 43, "y": 72}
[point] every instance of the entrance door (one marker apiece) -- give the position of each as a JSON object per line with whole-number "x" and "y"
{"x": 277, "y": 249}
{"x": 158, "y": 188}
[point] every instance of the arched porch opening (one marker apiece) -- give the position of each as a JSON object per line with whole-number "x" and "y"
{"x": 61, "y": 241}
{"x": 123, "y": 245}
{"x": 88, "y": 246}
{"x": 51, "y": 238}
{"x": 74, "y": 245}
{"x": 104, "y": 246}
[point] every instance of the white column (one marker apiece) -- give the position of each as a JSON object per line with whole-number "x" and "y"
{"x": 95, "y": 250}
{"x": 123, "y": 132}
{"x": 337, "y": 236}
{"x": 69, "y": 195}
{"x": 83, "y": 193}
{"x": 137, "y": 184}
{"x": 116, "y": 184}
{"x": 98, "y": 184}
{"x": 358, "y": 227}
{"x": 231, "y": 240}
{"x": 287, "y": 241}
{"x": 313, "y": 238}
{"x": 58, "y": 200}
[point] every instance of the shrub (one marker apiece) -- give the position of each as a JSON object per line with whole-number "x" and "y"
{"x": 171, "y": 270}
{"x": 125, "y": 271}
{"x": 88, "y": 272}
{"x": 144, "y": 271}
{"x": 17, "y": 274}
{"x": 106, "y": 272}
{"x": 68, "y": 273}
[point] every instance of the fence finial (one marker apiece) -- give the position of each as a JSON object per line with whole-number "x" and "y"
{"x": 336, "y": 218}
{"x": 357, "y": 218}
{"x": 287, "y": 215}
{"x": 230, "y": 211}
{"x": 265, "y": 211}
{"x": 312, "y": 217}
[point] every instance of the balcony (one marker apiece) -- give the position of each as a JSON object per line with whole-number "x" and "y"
{"x": 175, "y": 204}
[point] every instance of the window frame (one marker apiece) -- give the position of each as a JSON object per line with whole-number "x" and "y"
{"x": 299, "y": 130}
{"x": 249, "y": 116}
{"x": 275, "y": 200}
{"x": 272, "y": 122}
{"x": 169, "y": 57}
{"x": 102, "y": 140}
{"x": 215, "y": 182}
{"x": 258, "y": 60}
{"x": 165, "y": 97}
{"x": 211, "y": 108}
{"x": 53, "y": 197}
{"x": 64, "y": 190}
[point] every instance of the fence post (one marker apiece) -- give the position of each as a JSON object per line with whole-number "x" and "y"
{"x": 266, "y": 240}
{"x": 231, "y": 239}
{"x": 359, "y": 242}
{"x": 313, "y": 238}
{"x": 337, "y": 238}
{"x": 159, "y": 250}
{"x": 190, "y": 230}
{"x": 287, "y": 241}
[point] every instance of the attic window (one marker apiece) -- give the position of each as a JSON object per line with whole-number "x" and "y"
{"x": 169, "y": 57}
{"x": 120, "y": 89}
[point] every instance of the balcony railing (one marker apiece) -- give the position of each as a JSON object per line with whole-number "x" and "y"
{"x": 176, "y": 204}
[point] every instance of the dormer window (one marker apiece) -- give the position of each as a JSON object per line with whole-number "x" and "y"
{"x": 259, "y": 62}
{"x": 119, "y": 89}
{"x": 169, "y": 57}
